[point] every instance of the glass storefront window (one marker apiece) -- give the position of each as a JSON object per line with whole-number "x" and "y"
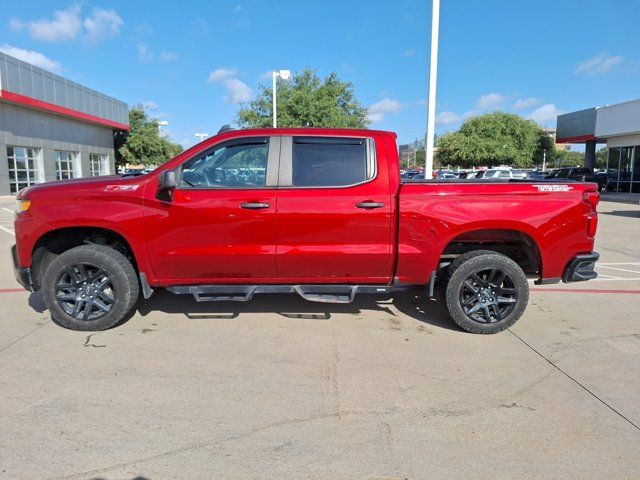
{"x": 65, "y": 165}
{"x": 23, "y": 167}
{"x": 635, "y": 186}
{"x": 97, "y": 164}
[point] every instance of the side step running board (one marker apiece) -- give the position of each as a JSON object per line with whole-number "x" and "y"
{"x": 327, "y": 294}
{"x": 312, "y": 293}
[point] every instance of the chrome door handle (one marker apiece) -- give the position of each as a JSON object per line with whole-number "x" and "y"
{"x": 254, "y": 205}
{"x": 369, "y": 205}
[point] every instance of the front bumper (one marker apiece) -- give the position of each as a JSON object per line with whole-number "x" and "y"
{"x": 581, "y": 268}
{"x": 23, "y": 275}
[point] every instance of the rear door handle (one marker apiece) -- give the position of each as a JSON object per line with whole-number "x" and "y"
{"x": 254, "y": 205}
{"x": 369, "y": 205}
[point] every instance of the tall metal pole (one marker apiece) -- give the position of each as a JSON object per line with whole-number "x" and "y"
{"x": 273, "y": 92}
{"x": 433, "y": 76}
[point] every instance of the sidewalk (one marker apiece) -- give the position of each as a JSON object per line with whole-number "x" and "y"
{"x": 620, "y": 197}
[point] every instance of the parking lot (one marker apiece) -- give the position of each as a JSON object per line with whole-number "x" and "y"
{"x": 280, "y": 388}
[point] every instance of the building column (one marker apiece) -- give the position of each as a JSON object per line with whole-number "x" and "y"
{"x": 590, "y": 154}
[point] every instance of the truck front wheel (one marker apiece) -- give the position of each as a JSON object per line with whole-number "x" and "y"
{"x": 91, "y": 287}
{"x": 486, "y": 292}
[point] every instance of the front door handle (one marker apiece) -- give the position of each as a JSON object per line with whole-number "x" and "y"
{"x": 254, "y": 205}
{"x": 369, "y": 205}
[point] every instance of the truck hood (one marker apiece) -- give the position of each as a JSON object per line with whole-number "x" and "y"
{"x": 104, "y": 183}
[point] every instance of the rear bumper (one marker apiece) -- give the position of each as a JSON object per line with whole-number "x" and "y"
{"x": 581, "y": 268}
{"x": 23, "y": 275}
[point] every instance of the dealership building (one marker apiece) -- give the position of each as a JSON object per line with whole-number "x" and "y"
{"x": 52, "y": 128}
{"x": 616, "y": 125}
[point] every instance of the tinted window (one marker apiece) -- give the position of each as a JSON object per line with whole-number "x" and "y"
{"x": 331, "y": 162}
{"x": 233, "y": 164}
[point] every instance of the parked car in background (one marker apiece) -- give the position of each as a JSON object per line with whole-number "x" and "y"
{"x": 495, "y": 173}
{"x": 580, "y": 174}
{"x": 537, "y": 174}
{"x": 467, "y": 175}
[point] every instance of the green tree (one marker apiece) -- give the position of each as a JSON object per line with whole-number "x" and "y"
{"x": 497, "y": 138}
{"x": 567, "y": 158}
{"x": 601, "y": 158}
{"x": 143, "y": 144}
{"x": 306, "y": 100}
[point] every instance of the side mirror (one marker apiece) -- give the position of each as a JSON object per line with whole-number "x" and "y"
{"x": 166, "y": 184}
{"x": 167, "y": 181}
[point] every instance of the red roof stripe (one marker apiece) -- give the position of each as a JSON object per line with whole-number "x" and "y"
{"x": 67, "y": 112}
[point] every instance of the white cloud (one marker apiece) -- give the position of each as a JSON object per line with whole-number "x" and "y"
{"x": 409, "y": 53}
{"x": 598, "y": 65}
{"x": 523, "y": 103}
{"x": 221, "y": 74}
{"x": 237, "y": 8}
{"x": 65, "y": 25}
{"x": 449, "y": 117}
{"x": 32, "y": 57}
{"x": 145, "y": 54}
{"x": 545, "y": 113}
{"x": 237, "y": 90}
{"x": 490, "y": 100}
{"x": 102, "y": 24}
{"x": 168, "y": 56}
{"x": 149, "y": 105}
{"x": 378, "y": 110}
{"x": 266, "y": 75}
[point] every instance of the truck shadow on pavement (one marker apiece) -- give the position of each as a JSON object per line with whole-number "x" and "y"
{"x": 623, "y": 213}
{"x": 414, "y": 304}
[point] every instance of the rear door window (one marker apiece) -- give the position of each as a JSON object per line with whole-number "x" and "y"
{"x": 332, "y": 161}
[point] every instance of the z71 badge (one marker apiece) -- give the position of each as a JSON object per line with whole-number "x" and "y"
{"x": 121, "y": 188}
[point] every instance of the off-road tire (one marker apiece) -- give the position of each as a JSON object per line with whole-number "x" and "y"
{"x": 463, "y": 267}
{"x": 123, "y": 282}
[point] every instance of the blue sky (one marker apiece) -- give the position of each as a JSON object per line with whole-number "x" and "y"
{"x": 190, "y": 63}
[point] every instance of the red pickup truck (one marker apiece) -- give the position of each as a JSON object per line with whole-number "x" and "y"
{"x": 318, "y": 212}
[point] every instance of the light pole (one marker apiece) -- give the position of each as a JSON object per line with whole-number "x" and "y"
{"x": 285, "y": 75}
{"x": 201, "y": 136}
{"x": 433, "y": 76}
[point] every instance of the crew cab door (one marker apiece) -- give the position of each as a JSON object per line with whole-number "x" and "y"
{"x": 335, "y": 211}
{"x": 219, "y": 225}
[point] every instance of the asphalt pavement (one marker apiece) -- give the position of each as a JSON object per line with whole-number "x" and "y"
{"x": 383, "y": 388}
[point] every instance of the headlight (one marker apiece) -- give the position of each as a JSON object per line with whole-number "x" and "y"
{"x": 22, "y": 205}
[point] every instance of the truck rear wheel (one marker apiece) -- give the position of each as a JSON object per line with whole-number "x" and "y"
{"x": 90, "y": 288}
{"x": 486, "y": 292}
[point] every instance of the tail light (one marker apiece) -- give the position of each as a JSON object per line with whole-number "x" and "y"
{"x": 592, "y": 224}
{"x": 592, "y": 198}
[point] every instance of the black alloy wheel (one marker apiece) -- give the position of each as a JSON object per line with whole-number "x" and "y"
{"x": 488, "y": 295}
{"x": 85, "y": 291}
{"x": 485, "y": 292}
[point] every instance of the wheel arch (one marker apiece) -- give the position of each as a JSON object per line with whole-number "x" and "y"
{"x": 54, "y": 242}
{"x": 514, "y": 243}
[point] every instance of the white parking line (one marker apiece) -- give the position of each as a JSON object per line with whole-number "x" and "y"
{"x": 619, "y": 269}
{"x": 11, "y": 232}
{"x": 8, "y": 210}
{"x": 614, "y": 279}
{"x": 619, "y": 263}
